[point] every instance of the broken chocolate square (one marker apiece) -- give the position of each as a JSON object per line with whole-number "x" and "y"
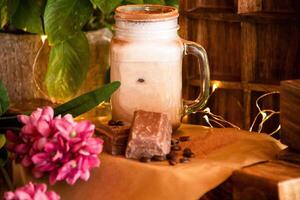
{"x": 150, "y": 135}
{"x": 115, "y": 137}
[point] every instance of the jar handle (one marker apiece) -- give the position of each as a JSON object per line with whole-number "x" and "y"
{"x": 198, "y": 51}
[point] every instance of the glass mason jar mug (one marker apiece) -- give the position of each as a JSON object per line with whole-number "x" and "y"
{"x": 146, "y": 57}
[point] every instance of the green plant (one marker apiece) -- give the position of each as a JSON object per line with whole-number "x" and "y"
{"x": 4, "y": 104}
{"x": 63, "y": 21}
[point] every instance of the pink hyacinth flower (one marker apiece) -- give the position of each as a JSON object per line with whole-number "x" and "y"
{"x": 56, "y": 146}
{"x": 38, "y": 122}
{"x": 31, "y": 191}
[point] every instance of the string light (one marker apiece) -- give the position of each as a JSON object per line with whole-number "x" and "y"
{"x": 215, "y": 86}
{"x": 43, "y": 39}
{"x": 265, "y": 114}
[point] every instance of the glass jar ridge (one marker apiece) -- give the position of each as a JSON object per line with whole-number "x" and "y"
{"x": 136, "y": 21}
{"x": 146, "y": 12}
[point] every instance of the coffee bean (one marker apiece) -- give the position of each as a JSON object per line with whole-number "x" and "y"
{"x": 168, "y": 156}
{"x": 176, "y": 148}
{"x": 184, "y": 138}
{"x": 144, "y": 159}
{"x": 174, "y": 141}
{"x": 184, "y": 160}
{"x": 172, "y": 162}
{"x": 187, "y": 150}
{"x": 188, "y": 154}
{"x": 171, "y": 155}
{"x": 158, "y": 158}
{"x": 119, "y": 123}
{"x": 115, "y": 123}
{"x": 112, "y": 122}
{"x": 141, "y": 80}
{"x": 192, "y": 155}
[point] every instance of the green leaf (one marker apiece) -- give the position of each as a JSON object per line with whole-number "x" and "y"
{"x": 64, "y": 18}
{"x": 134, "y": 2}
{"x": 87, "y": 101}
{"x": 105, "y": 6}
{"x": 4, "y": 16}
{"x": 2, "y": 140}
{"x": 76, "y": 106}
{"x": 172, "y": 3}
{"x": 3, "y": 157}
{"x": 4, "y": 99}
{"x": 162, "y": 2}
{"x": 12, "y": 7}
{"x": 67, "y": 68}
{"x": 28, "y": 16}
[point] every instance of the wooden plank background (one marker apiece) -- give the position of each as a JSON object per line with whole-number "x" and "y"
{"x": 252, "y": 45}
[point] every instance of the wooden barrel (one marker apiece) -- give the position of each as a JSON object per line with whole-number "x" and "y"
{"x": 19, "y": 51}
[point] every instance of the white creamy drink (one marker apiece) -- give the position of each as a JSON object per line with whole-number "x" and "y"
{"x": 152, "y": 85}
{"x": 146, "y": 57}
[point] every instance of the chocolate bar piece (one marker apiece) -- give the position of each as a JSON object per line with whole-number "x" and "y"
{"x": 150, "y": 135}
{"x": 115, "y": 138}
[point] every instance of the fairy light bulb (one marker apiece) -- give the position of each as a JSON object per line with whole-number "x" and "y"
{"x": 215, "y": 86}
{"x": 43, "y": 38}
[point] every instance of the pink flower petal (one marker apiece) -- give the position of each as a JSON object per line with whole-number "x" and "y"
{"x": 47, "y": 114}
{"x": 52, "y": 196}
{"x": 29, "y": 188}
{"x": 37, "y": 174}
{"x": 39, "y": 158}
{"x": 26, "y": 161}
{"x": 94, "y": 145}
{"x": 24, "y": 119}
{"x": 22, "y": 195}
{"x": 9, "y": 196}
{"x": 84, "y": 153}
{"x": 52, "y": 177}
{"x": 32, "y": 192}
{"x": 85, "y": 175}
{"x": 69, "y": 118}
{"x": 76, "y": 147}
{"x": 45, "y": 167}
{"x": 73, "y": 177}
{"x": 42, "y": 187}
{"x": 90, "y": 162}
{"x": 64, "y": 127}
{"x": 66, "y": 169}
{"x": 11, "y": 147}
{"x": 39, "y": 195}
{"x": 35, "y": 116}
{"x": 12, "y": 137}
{"x": 39, "y": 144}
{"x": 93, "y": 161}
{"x": 43, "y": 128}
{"x": 21, "y": 148}
{"x": 58, "y": 155}
{"x": 84, "y": 129}
{"x": 50, "y": 147}
{"x": 28, "y": 129}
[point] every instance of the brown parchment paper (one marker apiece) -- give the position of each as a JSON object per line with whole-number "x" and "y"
{"x": 218, "y": 153}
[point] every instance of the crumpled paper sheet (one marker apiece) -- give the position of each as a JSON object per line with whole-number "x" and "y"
{"x": 218, "y": 153}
